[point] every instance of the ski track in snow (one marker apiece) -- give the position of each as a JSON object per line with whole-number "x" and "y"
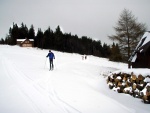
{"x": 19, "y": 77}
{"x": 31, "y": 89}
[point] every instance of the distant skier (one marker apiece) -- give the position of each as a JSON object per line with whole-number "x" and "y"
{"x": 51, "y": 57}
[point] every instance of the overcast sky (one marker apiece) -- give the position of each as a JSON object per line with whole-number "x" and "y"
{"x": 91, "y": 18}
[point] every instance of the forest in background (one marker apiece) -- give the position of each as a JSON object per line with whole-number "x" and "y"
{"x": 65, "y": 42}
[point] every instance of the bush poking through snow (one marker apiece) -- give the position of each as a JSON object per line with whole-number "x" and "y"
{"x": 137, "y": 86}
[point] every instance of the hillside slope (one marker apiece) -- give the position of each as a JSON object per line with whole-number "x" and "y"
{"x": 74, "y": 86}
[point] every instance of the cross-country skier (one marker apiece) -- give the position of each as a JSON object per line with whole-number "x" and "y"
{"x": 51, "y": 57}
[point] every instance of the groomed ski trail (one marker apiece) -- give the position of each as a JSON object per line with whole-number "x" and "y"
{"x": 34, "y": 93}
{"x": 64, "y": 90}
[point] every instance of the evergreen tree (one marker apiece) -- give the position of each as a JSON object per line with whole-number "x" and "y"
{"x": 8, "y": 40}
{"x": 106, "y": 51}
{"x": 23, "y": 31}
{"x": 58, "y": 39}
{"x": 97, "y": 48}
{"x": 13, "y": 34}
{"x": 2, "y": 41}
{"x": 31, "y": 33}
{"x": 39, "y": 39}
{"x": 49, "y": 38}
{"x": 115, "y": 53}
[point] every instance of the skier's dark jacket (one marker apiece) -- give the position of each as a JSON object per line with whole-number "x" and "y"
{"x": 51, "y": 55}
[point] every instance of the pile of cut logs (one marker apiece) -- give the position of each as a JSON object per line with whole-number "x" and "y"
{"x": 135, "y": 85}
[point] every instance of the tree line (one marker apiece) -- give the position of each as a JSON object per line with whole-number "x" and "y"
{"x": 65, "y": 42}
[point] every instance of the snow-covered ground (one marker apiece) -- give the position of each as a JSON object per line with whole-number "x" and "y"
{"x": 74, "y": 86}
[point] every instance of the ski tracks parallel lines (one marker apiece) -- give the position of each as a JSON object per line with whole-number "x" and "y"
{"x": 56, "y": 99}
{"x": 38, "y": 102}
{"x": 48, "y": 95}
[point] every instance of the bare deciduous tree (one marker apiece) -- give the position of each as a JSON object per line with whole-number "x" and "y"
{"x": 128, "y": 33}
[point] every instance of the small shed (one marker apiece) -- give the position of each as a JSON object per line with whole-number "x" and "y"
{"x": 25, "y": 42}
{"x": 140, "y": 58}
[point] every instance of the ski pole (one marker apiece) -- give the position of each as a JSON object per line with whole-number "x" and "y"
{"x": 45, "y": 63}
{"x": 55, "y": 64}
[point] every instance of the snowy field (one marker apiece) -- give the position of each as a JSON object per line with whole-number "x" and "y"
{"x": 74, "y": 86}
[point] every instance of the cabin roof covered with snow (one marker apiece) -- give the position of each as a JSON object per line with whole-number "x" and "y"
{"x": 142, "y": 46}
{"x": 144, "y": 40}
{"x": 22, "y": 40}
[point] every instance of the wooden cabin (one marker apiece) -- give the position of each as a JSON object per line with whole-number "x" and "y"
{"x": 25, "y": 42}
{"x": 140, "y": 58}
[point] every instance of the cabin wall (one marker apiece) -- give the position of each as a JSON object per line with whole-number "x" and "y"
{"x": 148, "y": 57}
{"x": 142, "y": 61}
{"x": 143, "y": 53}
{"x": 26, "y": 43}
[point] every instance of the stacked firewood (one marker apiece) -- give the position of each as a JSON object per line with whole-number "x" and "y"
{"x": 135, "y": 85}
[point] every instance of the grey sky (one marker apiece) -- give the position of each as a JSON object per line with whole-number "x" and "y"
{"x": 92, "y": 18}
